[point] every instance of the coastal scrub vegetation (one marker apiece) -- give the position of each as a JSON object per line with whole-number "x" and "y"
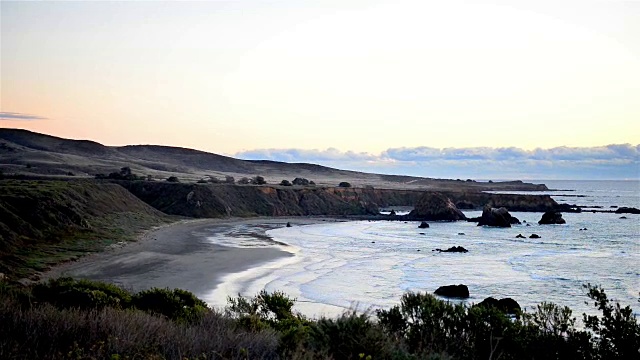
{"x": 77, "y": 319}
{"x": 125, "y": 173}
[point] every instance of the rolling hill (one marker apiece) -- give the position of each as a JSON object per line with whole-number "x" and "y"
{"x": 23, "y": 152}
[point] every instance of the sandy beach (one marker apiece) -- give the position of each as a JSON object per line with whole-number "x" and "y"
{"x": 179, "y": 255}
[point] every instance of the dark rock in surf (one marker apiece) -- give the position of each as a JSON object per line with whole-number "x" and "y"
{"x": 489, "y": 302}
{"x": 497, "y": 217}
{"x": 534, "y": 236}
{"x": 288, "y": 224}
{"x": 423, "y": 225}
{"x": 506, "y": 305}
{"x": 551, "y": 217}
{"x": 520, "y": 236}
{"x": 509, "y": 306}
{"x": 453, "y": 291}
{"x": 627, "y": 210}
{"x": 457, "y": 249}
{"x": 623, "y": 217}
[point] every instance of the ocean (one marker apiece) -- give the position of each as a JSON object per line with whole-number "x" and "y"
{"x": 367, "y": 265}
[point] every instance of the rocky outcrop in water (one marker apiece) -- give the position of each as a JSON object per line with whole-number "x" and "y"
{"x": 513, "y": 202}
{"x": 627, "y": 210}
{"x": 506, "y": 305}
{"x": 551, "y": 217}
{"x": 497, "y": 217}
{"x": 455, "y": 249}
{"x": 453, "y": 291}
{"x": 435, "y": 206}
{"x": 423, "y": 225}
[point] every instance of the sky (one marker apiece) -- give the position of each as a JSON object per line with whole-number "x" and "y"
{"x": 472, "y": 89}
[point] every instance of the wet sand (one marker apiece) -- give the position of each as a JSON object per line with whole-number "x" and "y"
{"x": 180, "y": 256}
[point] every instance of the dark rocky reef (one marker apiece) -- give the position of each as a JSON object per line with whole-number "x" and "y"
{"x": 496, "y": 217}
{"x": 506, "y": 305}
{"x": 514, "y": 202}
{"x": 551, "y": 217}
{"x": 534, "y": 236}
{"x": 454, "y": 249}
{"x": 627, "y": 210}
{"x": 434, "y": 206}
{"x": 453, "y": 291}
{"x": 423, "y": 225}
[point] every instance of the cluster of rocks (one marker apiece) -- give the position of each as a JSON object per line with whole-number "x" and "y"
{"x": 457, "y": 249}
{"x": 532, "y": 236}
{"x": 460, "y": 291}
{"x": 506, "y": 305}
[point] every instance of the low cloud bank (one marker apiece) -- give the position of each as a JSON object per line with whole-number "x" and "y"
{"x": 12, "y": 116}
{"x": 619, "y": 161}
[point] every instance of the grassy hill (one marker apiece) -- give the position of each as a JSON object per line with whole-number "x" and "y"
{"x": 46, "y": 222}
{"x": 29, "y": 153}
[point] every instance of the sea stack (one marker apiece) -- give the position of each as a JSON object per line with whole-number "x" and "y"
{"x": 551, "y": 217}
{"x": 434, "y": 206}
{"x": 497, "y": 217}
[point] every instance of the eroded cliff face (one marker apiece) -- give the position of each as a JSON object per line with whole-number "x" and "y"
{"x": 218, "y": 200}
{"x": 473, "y": 200}
{"x": 197, "y": 200}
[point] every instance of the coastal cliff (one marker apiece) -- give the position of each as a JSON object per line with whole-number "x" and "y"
{"x": 213, "y": 200}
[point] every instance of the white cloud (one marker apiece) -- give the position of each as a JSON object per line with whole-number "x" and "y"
{"x": 10, "y": 116}
{"x": 602, "y": 162}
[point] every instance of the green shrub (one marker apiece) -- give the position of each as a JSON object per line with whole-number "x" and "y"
{"x": 66, "y": 318}
{"x": 176, "y": 304}
{"x": 617, "y": 331}
{"x": 66, "y": 292}
{"x": 259, "y": 180}
{"x": 349, "y": 336}
{"x": 271, "y": 310}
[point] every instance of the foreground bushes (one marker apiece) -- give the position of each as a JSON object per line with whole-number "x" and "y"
{"x": 81, "y": 319}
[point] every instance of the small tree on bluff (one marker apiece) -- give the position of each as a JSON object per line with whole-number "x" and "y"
{"x": 300, "y": 181}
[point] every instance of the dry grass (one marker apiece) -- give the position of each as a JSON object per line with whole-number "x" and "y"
{"x": 45, "y": 332}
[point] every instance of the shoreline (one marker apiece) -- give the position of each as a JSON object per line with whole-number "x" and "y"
{"x": 181, "y": 255}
